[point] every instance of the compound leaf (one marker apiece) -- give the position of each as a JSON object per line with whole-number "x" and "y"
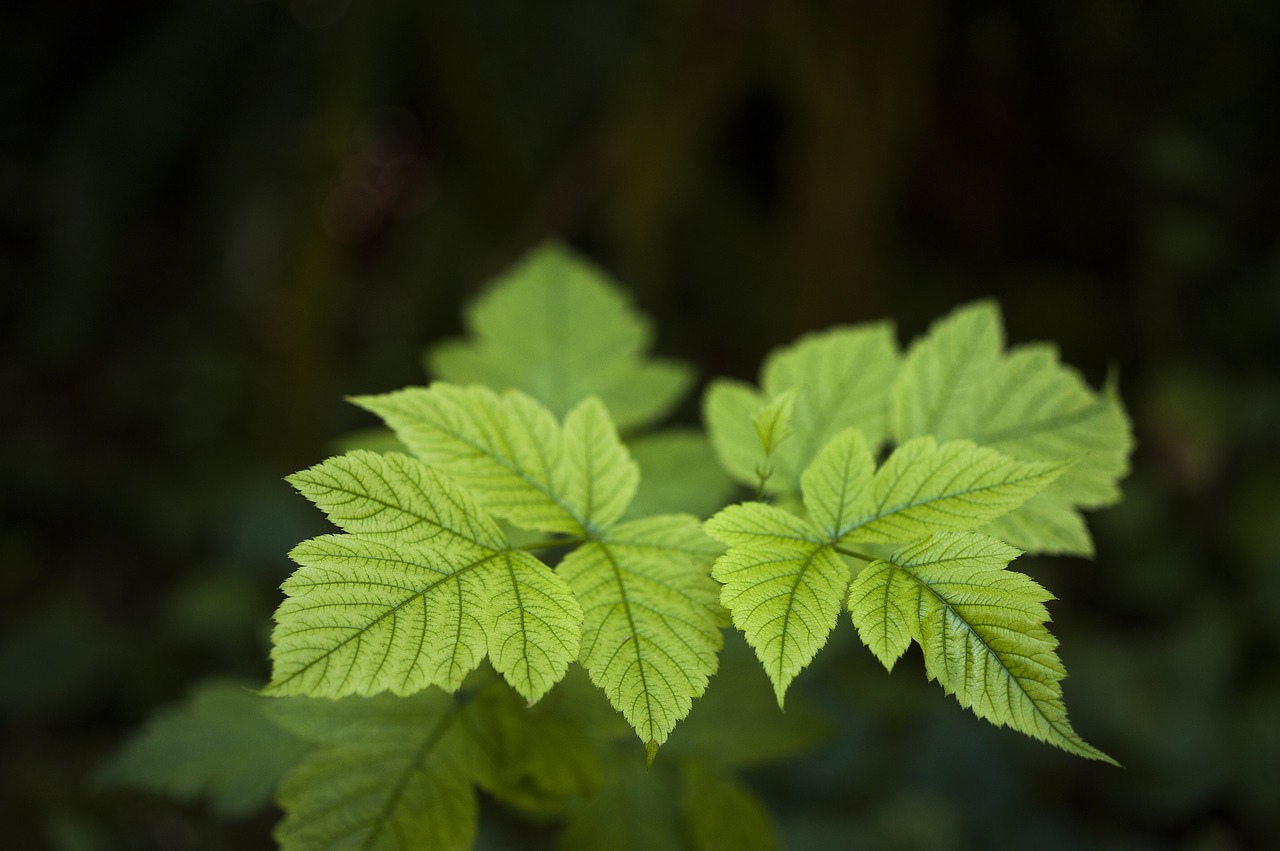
{"x": 981, "y": 627}
{"x": 559, "y": 329}
{"x": 649, "y": 633}
{"x": 387, "y": 773}
{"x": 956, "y": 382}
{"x": 218, "y": 744}
{"x": 418, "y": 591}
{"x": 512, "y": 455}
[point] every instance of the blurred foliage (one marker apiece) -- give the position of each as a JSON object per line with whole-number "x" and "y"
{"x": 218, "y": 217}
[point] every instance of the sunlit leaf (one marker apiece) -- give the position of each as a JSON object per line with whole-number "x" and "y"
{"x": 981, "y": 627}
{"x": 509, "y": 452}
{"x": 649, "y": 635}
{"x": 418, "y": 591}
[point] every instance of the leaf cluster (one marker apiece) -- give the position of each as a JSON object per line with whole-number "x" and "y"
{"x": 524, "y": 512}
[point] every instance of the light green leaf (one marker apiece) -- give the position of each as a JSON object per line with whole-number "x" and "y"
{"x": 927, "y": 487}
{"x": 604, "y": 475}
{"x": 836, "y": 482}
{"x": 218, "y": 744}
{"x": 513, "y": 457}
{"x": 945, "y": 378}
{"x": 418, "y": 592}
{"x": 981, "y": 627}
{"x": 678, "y": 474}
{"x": 721, "y": 813}
{"x": 649, "y": 635}
{"x": 729, "y": 409}
{"x": 393, "y": 495}
{"x": 388, "y": 773}
{"x": 773, "y": 421}
{"x": 957, "y": 383}
{"x": 535, "y": 623}
{"x": 846, "y": 374}
{"x": 751, "y": 523}
{"x": 842, "y": 378}
{"x": 783, "y": 588}
{"x": 883, "y": 605}
{"x": 558, "y": 328}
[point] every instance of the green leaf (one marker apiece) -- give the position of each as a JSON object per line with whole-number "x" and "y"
{"x": 559, "y": 329}
{"x": 729, "y": 409}
{"x": 604, "y": 476}
{"x": 836, "y": 482}
{"x": 513, "y": 457}
{"x": 783, "y": 583}
{"x": 416, "y": 594}
{"x": 634, "y": 810}
{"x": 218, "y": 745}
{"x": 981, "y": 627}
{"x": 927, "y": 487}
{"x": 773, "y": 421}
{"x": 957, "y": 383}
{"x": 846, "y": 374}
{"x": 387, "y": 773}
{"x": 944, "y": 382}
{"x": 649, "y": 633}
{"x": 841, "y": 378}
{"x": 535, "y": 758}
{"x": 678, "y": 474}
{"x": 721, "y": 813}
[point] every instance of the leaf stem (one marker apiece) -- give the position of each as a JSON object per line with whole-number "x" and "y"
{"x": 855, "y": 554}
{"x": 546, "y": 545}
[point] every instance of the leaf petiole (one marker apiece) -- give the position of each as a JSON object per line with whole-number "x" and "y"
{"x": 546, "y": 545}
{"x": 855, "y": 554}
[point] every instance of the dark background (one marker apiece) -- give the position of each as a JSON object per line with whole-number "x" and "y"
{"x": 217, "y": 218}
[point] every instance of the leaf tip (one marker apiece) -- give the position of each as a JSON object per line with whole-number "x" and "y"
{"x": 650, "y": 753}
{"x": 780, "y": 692}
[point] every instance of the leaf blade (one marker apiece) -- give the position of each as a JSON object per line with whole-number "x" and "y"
{"x": 421, "y": 589}
{"x": 405, "y": 782}
{"x": 957, "y": 382}
{"x": 649, "y": 634}
{"x": 982, "y": 630}
{"x": 534, "y": 626}
{"x": 926, "y": 487}
{"x": 557, "y": 327}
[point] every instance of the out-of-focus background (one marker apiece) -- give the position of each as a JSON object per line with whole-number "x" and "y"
{"x": 217, "y": 218}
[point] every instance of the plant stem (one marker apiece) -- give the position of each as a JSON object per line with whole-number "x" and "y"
{"x": 546, "y": 545}
{"x": 856, "y": 554}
